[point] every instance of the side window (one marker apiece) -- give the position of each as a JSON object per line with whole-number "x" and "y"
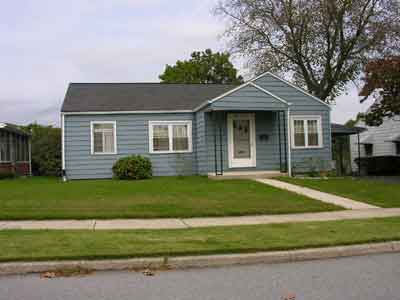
{"x": 170, "y": 137}
{"x": 306, "y": 132}
{"x": 103, "y": 137}
{"x": 369, "y": 149}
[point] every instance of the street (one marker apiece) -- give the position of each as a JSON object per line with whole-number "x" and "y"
{"x": 367, "y": 278}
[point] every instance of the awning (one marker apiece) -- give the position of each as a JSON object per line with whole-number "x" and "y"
{"x": 338, "y": 129}
{"x": 13, "y": 129}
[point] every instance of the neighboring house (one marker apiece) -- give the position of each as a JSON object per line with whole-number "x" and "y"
{"x": 15, "y": 150}
{"x": 341, "y": 152}
{"x": 193, "y": 128}
{"x": 383, "y": 140}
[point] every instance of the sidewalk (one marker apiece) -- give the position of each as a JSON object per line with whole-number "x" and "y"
{"x": 175, "y": 223}
{"x": 317, "y": 195}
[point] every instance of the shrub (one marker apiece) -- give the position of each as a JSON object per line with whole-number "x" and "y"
{"x": 46, "y": 149}
{"x": 6, "y": 174}
{"x": 132, "y": 167}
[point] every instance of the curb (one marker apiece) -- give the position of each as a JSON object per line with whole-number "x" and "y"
{"x": 185, "y": 262}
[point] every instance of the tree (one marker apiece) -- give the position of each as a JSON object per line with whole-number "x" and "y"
{"x": 46, "y": 149}
{"x": 352, "y": 123}
{"x": 382, "y": 82}
{"x": 202, "y": 67}
{"x": 321, "y": 44}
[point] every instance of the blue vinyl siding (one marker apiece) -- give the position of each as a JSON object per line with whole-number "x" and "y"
{"x": 132, "y": 138}
{"x": 248, "y": 98}
{"x": 132, "y": 134}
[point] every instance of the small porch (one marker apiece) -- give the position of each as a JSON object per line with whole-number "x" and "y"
{"x": 247, "y": 144}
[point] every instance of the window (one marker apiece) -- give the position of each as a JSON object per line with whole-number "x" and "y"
{"x": 21, "y": 148}
{"x": 104, "y": 138}
{"x": 369, "y": 149}
{"x": 170, "y": 137}
{"x": 306, "y": 132}
{"x": 5, "y": 153}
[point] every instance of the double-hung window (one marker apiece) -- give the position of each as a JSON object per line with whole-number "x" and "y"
{"x": 5, "y": 151}
{"x": 170, "y": 136}
{"x": 306, "y": 132}
{"x": 104, "y": 137}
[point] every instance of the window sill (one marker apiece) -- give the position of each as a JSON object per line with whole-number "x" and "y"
{"x": 307, "y": 147}
{"x": 104, "y": 153}
{"x": 170, "y": 152}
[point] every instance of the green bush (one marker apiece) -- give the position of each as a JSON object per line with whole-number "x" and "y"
{"x": 132, "y": 167}
{"x": 6, "y": 174}
{"x": 46, "y": 149}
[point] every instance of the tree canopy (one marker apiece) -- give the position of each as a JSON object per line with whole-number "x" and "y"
{"x": 46, "y": 149}
{"x": 382, "y": 82}
{"x": 320, "y": 44}
{"x": 202, "y": 67}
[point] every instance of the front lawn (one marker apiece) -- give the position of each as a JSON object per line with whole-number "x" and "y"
{"x": 30, "y": 245}
{"x": 49, "y": 198}
{"x": 370, "y": 191}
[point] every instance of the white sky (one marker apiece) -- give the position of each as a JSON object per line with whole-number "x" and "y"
{"x": 45, "y": 44}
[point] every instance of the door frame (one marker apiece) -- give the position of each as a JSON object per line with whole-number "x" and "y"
{"x": 240, "y": 162}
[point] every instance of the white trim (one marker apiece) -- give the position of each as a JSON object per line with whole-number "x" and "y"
{"x": 221, "y": 96}
{"x": 289, "y": 150}
{"x": 269, "y": 93}
{"x": 128, "y": 112}
{"x": 242, "y": 163}
{"x": 305, "y": 119}
{"x": 297, "y": 88}
{"x": 207, "y": 102}
{"x": 92, "y": 123}
{"x": 188, "y": 123}
{"x": 62, "y": 142}
{"x": 30, "y": 155}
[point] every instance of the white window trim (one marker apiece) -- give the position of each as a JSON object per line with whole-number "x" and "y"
{"x": 305, "y": 119}
{"x": 170, "y": 124}
{"x": 92, "y": 123}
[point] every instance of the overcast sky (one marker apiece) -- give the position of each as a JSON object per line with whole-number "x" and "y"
{"x": 45, "y": 44}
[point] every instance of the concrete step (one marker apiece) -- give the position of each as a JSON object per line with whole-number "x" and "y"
{"x": 246, "y": 175}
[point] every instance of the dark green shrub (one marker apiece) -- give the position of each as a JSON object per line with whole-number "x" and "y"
{"x": 46, "y": 149}
{"x": 132, "y": 167}
{"x": 6, "y": 174}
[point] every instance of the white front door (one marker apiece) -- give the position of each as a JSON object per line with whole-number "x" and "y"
{"x": 241, "y": 140}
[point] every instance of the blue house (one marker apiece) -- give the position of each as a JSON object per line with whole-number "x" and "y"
{"x": 265, "y": 124}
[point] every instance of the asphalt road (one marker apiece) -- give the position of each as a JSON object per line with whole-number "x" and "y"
{"x": 365, "y": 278}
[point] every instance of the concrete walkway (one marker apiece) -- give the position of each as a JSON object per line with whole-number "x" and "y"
{"x": 321, "y": 196}
{"x": 200, "y": 222}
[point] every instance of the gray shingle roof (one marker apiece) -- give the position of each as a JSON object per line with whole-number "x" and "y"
{"x": 100, "y": 97}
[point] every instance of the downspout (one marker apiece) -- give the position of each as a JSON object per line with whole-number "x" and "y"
{"x": 359, "y": 153}
{"x": 30, "y": 154}
{"x": 63, "y": 174}
{"x": 289, "y": 142}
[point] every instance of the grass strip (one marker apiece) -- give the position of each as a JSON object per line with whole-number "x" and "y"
{"x": 162, "y": 197}
{"x": 36, "y": 245}
{"x": 364, "y": 190}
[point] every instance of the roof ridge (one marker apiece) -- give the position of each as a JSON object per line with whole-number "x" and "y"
{"x": 158, "y": 83}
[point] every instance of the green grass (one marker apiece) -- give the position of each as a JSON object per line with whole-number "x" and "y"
{"x": 48, "y": 198}
{"x": 373, "y": 192}
{"x": 27, "y": 245}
